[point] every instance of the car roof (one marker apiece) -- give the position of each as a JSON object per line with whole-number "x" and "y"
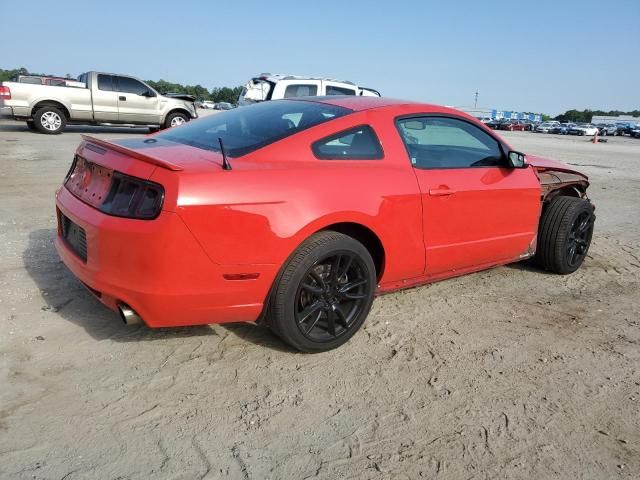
{"x": 358, "y": 104}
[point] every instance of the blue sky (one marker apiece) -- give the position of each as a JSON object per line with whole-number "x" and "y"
{"x": 537, "y": 55}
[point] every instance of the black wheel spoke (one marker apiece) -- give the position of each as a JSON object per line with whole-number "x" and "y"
{"x": 318, "y": 278}
{"x": 331, "y": 322}
{"x": 313, "y": 289}
{"x": 350, "y": 286}
{"x": 340, "y": 315}
{"x": 308, "y": 311}
{"x": 335, "y": 267}
{"x": 345, "y": 267}
{"x": 315, "y": 321}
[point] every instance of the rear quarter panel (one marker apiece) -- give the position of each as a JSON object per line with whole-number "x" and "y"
{"x": 278, "y": 196}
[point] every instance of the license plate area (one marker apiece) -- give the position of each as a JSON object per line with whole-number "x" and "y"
{"x": 89, "y": 181}
{"x": 74, "y": 236}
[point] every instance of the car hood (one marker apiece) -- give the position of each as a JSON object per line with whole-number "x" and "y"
{"x": 545, "y": 164}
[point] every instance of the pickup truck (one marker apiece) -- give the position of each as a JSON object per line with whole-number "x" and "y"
{"x": 104, "y": 99}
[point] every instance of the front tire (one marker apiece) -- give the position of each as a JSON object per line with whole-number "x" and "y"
{"x": 324, "y": 293}
{"x": 49, "y": 120}
{"x": 175, "y": 119}
{"x": 564, "y": 236}
{"x": 31, "y": 126}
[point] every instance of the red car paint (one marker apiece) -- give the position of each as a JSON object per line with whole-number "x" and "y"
{"x": 215, "y": 250}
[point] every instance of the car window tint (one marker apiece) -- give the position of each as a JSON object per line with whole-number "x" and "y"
{"x": 331, "y": 90}
{"x": 105, "y": 82}
{"x": 359, "y": 143}
{"x": 300, "y": 91}
{"x": 129, "y": 85}
{"x": 442, "y": 142}
{"x": 251, "y": 127}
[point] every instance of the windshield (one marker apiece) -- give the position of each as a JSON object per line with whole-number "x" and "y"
{"x": 249, "y": 128}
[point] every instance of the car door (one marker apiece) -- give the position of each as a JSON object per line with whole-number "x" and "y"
{"x": 105, "y": 99}
{"x": 477, "y": 210}
{"x": 137, "y": 103}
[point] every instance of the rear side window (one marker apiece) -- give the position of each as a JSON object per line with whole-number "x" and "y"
{"x": 249, "y": 128}
{"x": 129, "y": 85}
{"x": 359, "y": 143}
{"x": 443, "y": 142}
{"x": 301, "y": 91}
{"x": 331, "y": 90}
{"x": 105, "y": 82}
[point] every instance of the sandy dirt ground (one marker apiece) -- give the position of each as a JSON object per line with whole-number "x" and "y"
{"x": 507, "y": 373}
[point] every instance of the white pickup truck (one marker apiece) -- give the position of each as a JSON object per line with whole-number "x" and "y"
{"x": 104, "y": 99}
{"x": 274, "y": 86}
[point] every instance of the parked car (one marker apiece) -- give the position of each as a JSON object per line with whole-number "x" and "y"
{"x": 307, "y": 260}
{"x": 513, "y": 126}
{"x": 208, "y": 104}
{"x": 496, "y": 124}
{"x": 605, "y": 129}
{"x": 268, "y": 86}
{"x": 545, "y": 127}
{"x": 635, "y": 133}
{"x": 528, "y": 125}
{"x": 105, "y": 99}
{"x": 484, "y": 119}
{"x": 223, "y": 106}
{"x": 583, "y": 129}
{"x": 561, "y": 128}
{"x": 625, "y": 128}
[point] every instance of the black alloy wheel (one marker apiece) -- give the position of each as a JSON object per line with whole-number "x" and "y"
{"x": 324, "y": 292}
{"x": 330, "y": 296}
{"x": 579, "y": 238}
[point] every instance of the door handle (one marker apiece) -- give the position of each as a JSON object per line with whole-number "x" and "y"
{"x": 441, "y": 192}
{"x": 122, "y": 98}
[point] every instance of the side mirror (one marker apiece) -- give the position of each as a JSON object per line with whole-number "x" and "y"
{"x": 149, "y": 93}
{"x": 517, "y": 160}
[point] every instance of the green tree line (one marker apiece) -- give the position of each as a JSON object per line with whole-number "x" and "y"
{"x": 217, "y": 94}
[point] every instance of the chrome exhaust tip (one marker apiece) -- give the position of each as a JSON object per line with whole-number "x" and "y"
{"x": 128, "y": 315}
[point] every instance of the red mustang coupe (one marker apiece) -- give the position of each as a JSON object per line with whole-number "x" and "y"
{"x": 513, "y": 126}
{"x": 296, "y": 213}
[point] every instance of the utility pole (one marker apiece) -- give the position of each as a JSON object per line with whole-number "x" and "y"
{"x": 475, "y": 103}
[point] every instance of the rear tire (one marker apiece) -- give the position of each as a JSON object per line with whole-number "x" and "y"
{"x": 564, "y": 236}
{"x": 324, "y": 294}
{"x": 49, "y": 120}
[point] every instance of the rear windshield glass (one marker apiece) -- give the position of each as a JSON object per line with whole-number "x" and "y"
{"x": 249, "y": 128}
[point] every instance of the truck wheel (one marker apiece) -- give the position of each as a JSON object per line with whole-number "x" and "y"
{"x": 564, "y": 236}
{"x": 175, "y": 119}
{"x": 324, "y": 293}
{"x": 49, "y": 120}
{"x": 31, "y": 126}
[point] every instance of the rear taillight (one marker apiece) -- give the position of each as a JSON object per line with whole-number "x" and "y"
{"x": 132, "y": 197}
{"x": 112, "y": 192}
{"x": 5, "y": 93}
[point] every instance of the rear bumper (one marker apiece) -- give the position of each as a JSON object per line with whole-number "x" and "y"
{"x": 159, "y": 269}
{"x": 7, "y": 111}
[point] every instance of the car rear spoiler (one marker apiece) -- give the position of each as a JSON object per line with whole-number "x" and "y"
{"x": 137, "y": 154}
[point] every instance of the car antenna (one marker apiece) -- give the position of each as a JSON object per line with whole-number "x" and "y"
{"x": 225, "y": 163}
